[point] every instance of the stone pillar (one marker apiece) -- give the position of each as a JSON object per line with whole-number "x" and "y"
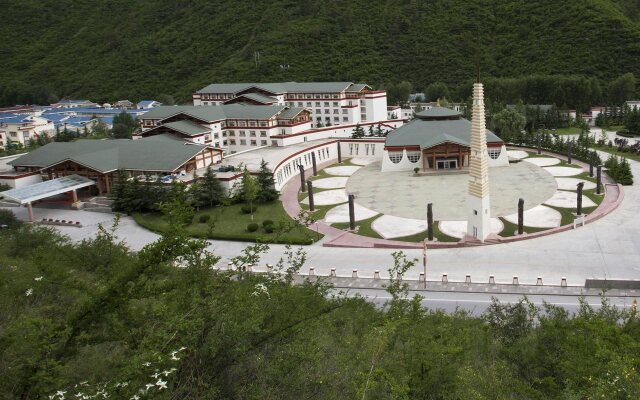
{"x": 74, "y": 195}
{"x": 579, "y": 208}
{"x": 339, "y": 153}
{"x": 520, "y": 216}
{"x": 302, "y": 185}
{"x": 569, "y": 151}
{"x": 539, "y": 143}
{"x": 599, "y": 179}
{"x": 30, "y": 212}
{"x": 310, "y": 187}
{"x": 313, "y": 161}
{"x": 430, "y": 221}
{"x": 592, "y": 156}
{"x": 352, "y": 214}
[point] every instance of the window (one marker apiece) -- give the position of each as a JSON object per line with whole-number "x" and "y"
{"x": 318, "y": 111}
{"x": 243, "y": 142}
{"x": 350, "y": 149}
{"x": 336, "y": 119}
{"x": 395, "y": 156}
{"x": 317, "y": 104}
{"x": 335, "y": 104}
{"x": 373, "y": 149}
{"x": 326, "y": 104}
{"x": 263, "y": 133}
{"x": 253, "y": 142}
{"x": 308, "y": 104}
{"x": 252, "y": 133}
{"x": 232, "y": 133}
{"x": 336, "y": 111}
{"x": 252, "y": 123}
{"x": 263, "y": 143}
{"x": 413, "y": 156}
{"x": 494, "y": 152}
{"x": 274, "y": 142}
{"x": 242, "y": 133}
{"x": 344, "y": 111}
{"x": 300, "y": 104}
{"x": 366, "y": 149}
{"x": 233, "y": 142}
{"x": 345, "y": 119}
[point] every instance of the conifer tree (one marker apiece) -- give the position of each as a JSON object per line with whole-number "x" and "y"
{"x": 209, "y": 191}
{"x": 266, "y": 185}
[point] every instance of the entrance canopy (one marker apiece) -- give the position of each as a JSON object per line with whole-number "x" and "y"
{"x": 38, "y": 191}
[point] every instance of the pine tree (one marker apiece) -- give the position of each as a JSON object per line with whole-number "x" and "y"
{"x": 266, "y": 185}
{"x": 370, "y": 130}
{"x": 379, "y": 131}
{"x": 625, "y": 176}
{"x": 209, "y": 191}
{"x": 358, "y": 132}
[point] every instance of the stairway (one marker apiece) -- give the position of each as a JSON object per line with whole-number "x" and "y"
{"x": 98, "y": 204}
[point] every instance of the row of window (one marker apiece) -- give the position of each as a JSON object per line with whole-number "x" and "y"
{"x": 312, "y": 96}
{"x": 243, "y": 142}
{"x": 369, "y": 148}
{"x": 396, "y": 156}
{"x": 306, "y": 159}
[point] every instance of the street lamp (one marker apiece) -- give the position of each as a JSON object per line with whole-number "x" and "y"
{"x": 424, "y": 260}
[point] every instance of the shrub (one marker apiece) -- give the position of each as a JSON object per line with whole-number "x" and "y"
{"x": 416, "y": 170}
{"x": 204, "y": 218}
{"x": 266, "y": 223}
{"x": 269, "y": 228}
{"x": 8, "y": 218}
{"x": 248, "y": 210}
{"x": 252, "y": 227}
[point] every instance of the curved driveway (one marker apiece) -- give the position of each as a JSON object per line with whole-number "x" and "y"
{"x": 607, "y": 248}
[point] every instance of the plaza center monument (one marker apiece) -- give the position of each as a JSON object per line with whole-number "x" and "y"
{"x": 478, "y": 199}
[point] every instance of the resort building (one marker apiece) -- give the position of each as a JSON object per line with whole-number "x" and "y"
{"x": 232, "y": 127}
{"x": 437, "y": 139}
{"x": 329, "y": 103}
{"x": 74, "y": 104}
{"x": 20, "y": 128}
{"x": 100, "y": 160}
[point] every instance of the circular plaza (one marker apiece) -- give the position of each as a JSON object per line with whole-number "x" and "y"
{"x": 393, "y": 204}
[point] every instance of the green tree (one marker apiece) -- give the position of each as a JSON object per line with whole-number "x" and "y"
{"x": 358, "y": 132}
{"x": 622, "y": 89}
{"x": 124, "y": 125}
{"x": 249, "y": 189}
{"x": 508, "y": 123}
{"x": 437, "y": 90}
{"x": 209, "y": 191}
{"x": 266, "y": 185}
{"x": 632, "y": 121}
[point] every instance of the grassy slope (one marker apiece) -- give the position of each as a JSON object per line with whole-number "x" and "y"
{"x": 116, "y": 49}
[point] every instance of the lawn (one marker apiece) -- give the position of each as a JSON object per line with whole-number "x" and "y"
{"x": 567, "y": 131}
{"x": 230, "y": 223}
{"x": 613, "y": 150}
{"x": 365, "y": 229}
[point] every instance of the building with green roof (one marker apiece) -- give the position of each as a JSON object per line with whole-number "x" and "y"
{"x": 437, "y": 139}
{"x": 100, "y": 160}
{"x": 330, "y": 103}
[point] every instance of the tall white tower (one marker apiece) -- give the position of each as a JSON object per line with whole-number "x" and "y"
{"x": 479, "y": 220}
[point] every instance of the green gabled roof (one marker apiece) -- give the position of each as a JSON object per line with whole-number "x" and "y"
{"x": 357, "y": 87}
{"x": 258, "y": 97}
{"x": 434, "y": 132}
{"x": 187, "y": 127}
{"x": 216, "y": 113}
{"x": 279, "y": 87}
{"x": 438, "y": 112}
{"x": 111, "y": 155}
{"x": 290, "y": 112}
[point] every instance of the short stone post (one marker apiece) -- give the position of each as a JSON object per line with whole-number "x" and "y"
{"x": 599, "y": 179}
{"x": 312, "y": 271}
{"x": 313, "y": 162}
{"x": 421, "y": 278}
{"x": 354, "y": 274}
{"x": 563, "y": 282}
{"x": 579, "y": 208}
{"x": 430, "y": 221}
{"x": 339, "y": 154}
{"x": 515, "y": 281}
{"x": 376, "y": 274}
{"x": 333, "y": 272}
{"x": 568, "y": 151}
{"x": 302, "y": 185}
{"x": 445, "y": 278}
{"x": 310, "y": 188}
{"x": 352, "y": 214}
{"x": 269, "y": 268}
{"x": 591, "y": 158}
{"x": 520, "y": 216}
{"x": 539, "y": 143}
{"x": 467, "y": 278}
{"x": 492, "y": 280}
{"x": 539, "y": 281}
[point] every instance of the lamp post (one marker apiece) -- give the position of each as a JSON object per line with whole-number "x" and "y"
{"x": 424, "y": 261}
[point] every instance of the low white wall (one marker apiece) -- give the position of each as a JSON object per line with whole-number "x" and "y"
{"x": 502, "y": 160}
{"x": 403, "y": 165}
{"x": 16, "y": 183}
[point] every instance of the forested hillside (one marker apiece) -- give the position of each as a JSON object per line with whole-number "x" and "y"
{"x": 141, "y": 49}
{"x": 132, "y": 325}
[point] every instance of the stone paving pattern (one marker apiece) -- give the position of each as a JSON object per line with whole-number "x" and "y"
{"x": 538, "y": 217}
{"x": 402, "y": 194}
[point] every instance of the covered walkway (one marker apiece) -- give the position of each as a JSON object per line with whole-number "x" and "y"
{"x": 29, "y": 194}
